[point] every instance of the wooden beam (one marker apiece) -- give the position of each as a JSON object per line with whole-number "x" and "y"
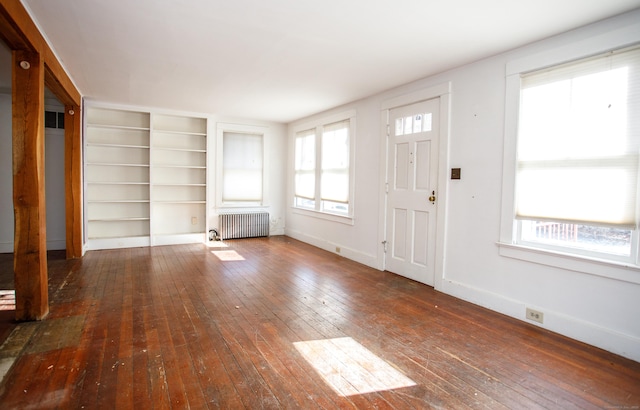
{"x": 60, "y": 85}
{"x": 12, "y": 16}
{"x": 18, "y": 30}
{"x": 20, "y": 33}
{"x": 73, "y": 179}
{"x": 30, "y": 243}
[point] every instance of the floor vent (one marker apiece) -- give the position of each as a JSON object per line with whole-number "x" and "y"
{"x": 246, "y": 225}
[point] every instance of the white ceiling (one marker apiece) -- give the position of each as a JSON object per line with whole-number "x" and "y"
{"x": 281, "y": 60}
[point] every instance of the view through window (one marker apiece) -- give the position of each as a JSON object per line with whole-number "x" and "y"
{"x": 577, "y": 156}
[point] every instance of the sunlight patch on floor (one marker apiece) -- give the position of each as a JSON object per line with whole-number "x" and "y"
{"x": 227, "y": 256}
{"x": 7, "y": 300}
{"x": 350, "y": 368}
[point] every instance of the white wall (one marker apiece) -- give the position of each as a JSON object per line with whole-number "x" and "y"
{"x": 595, "y": 309}
{"x": 6, "y": 175}
{"x": 54, "y": 179}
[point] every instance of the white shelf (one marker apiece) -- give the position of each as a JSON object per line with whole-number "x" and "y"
{"x": 184, "y": 133}
{"x": 117, "y": 136}
{"x": 117, "y": 219}
{"x": 179, "y": 166}
{"x": 180, "y": 125}
{"x": 119, "y": 201}
{"x": 118, "y": 127}
{"x": 179, "y": 202}
{"x": 99, "y": 144}
{"x": 146, "y": 178}
{"x": 116, "y": 183}
{"x": 168, "y": 185}
{"x": 112, "y": 164}
{"x": 179, "y": 149}
{"x": 117, "y": 119}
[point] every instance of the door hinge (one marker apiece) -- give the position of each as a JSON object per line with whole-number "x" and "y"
{"x": 388, "y": 130}
{"x": 386, "y": 187}
{"x": 384, "y": 246}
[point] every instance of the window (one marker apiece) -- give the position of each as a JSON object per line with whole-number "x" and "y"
{"x": 577, "y": 157}
{"x": 240, "y": 165}
{"x": 323, "y": 167}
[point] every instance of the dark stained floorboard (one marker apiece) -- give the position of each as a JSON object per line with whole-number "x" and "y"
{"x": 193, "y": 326}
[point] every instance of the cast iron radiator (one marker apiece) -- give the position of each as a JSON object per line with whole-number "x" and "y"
{"x": 246, "y": 225}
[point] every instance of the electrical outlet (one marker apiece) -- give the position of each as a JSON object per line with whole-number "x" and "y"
{"x": 194, "y": 220}
{"x": 535, "y": 315}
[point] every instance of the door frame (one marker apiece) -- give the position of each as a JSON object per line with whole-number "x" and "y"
{"x": 442, "y": 91}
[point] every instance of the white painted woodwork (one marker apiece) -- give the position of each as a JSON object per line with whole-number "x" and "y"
{"x": 145, "y": 178}
{"x": 412, "y": 178}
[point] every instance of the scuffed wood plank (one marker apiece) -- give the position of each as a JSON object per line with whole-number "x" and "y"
{"x": 196, "y": 331}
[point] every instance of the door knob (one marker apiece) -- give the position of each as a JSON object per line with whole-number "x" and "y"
{"x": 432, "y": 198}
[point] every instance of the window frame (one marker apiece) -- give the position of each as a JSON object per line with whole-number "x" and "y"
{"x": 509, "y": 244}
{"x": 318, "y": 209}
{"x": 221, "y": 129}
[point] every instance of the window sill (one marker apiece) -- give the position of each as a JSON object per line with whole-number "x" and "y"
{"x": 344, "y": 219}
{"x": 598, "y": 267}
{"x": 241, "y": 207}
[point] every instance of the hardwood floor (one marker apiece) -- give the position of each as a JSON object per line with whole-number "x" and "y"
{"x": 275, "y": 323}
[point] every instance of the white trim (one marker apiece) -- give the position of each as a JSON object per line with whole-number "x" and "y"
{"x": 512, "y": 110}
{"x": 329, "y": 246}
{"x": 56, "y": 244}
{"x": 179, "y": 239}
{"x": 611, "y": 39}
{"x": 382, "y": 200}
{"x": 329, "y": 119}
{"x": 417, "y": 96}
{"x": 116, "y": 243}
{"x": 619, "y": 36}
{"x": 605, "y": 268}
{"x": 442, "y": 91}
{"x": 345, "y": 219}
{"x": 590, "y": 333}
{"x": 317, "y": 125}
{"x": 6, "y": 247}
{"x": 221, "y": 128}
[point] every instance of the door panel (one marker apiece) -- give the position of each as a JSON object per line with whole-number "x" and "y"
{"x": 413, "y": 165}
{"x": 423, "y": 173}
{"x": 420, "y": 238}
{"x": 402, "y": 162}
{"x": 399, "y": 233}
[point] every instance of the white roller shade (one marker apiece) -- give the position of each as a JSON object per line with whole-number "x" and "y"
{"x": 242, "y": 167}
{"x": 335, "y": 162}
{"x": 305, "y": 164}
{"x": 578, "y": 142}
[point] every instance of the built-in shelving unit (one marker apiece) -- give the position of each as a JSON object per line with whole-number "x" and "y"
{"x": 145, "y": 178}
{"x": 179, "y": 183}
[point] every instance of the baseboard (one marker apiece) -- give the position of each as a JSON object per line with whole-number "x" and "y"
{"x": 276, "y": 232}
{"x": 330, "y": 246}
{"x": 6, "y": 247}
{"x": 586, "y": 332}
{"x": 57, "y": 245}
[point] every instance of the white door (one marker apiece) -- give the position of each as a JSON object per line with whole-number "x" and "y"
{"x": 412, "y": 190}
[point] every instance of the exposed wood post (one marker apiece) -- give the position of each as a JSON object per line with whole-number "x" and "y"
{"x": 73, "y": 180}
{"x": 30, "y": 243}
{"x": 19, "y": 32}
